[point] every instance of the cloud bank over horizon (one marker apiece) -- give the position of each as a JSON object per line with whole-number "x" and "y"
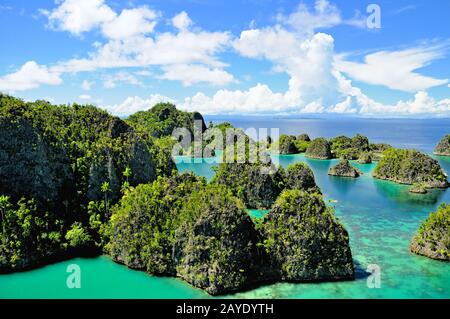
{"x": 139, "y": 43}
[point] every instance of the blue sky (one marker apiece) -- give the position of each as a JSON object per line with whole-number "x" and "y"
{"x": 230, "y": 57}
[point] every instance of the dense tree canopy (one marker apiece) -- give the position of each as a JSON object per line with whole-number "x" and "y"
{"x": 433, "y": 238}
{"x": 410, "y": 167}
{"x": 443, "y": 147}
{"x": 319, "y": 149}
{"x": 58, "y": 158}
{"x": 304, "y": 241}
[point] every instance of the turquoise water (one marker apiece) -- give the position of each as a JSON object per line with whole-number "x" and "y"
{"x": 380, "y": 216}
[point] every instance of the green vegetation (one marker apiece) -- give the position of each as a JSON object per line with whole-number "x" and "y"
{"x": 304, "y": 241}
{"x": 349, "y": 148}
{"x": 288, "y": 144}
{"x": 251, "y": 182}
{"x": 410, "y": 167}
{"x": 163, "y": 118}
{"x": 216, "y": 243}
{"x": 319, "y": 149}
{"x": 300, "y": 176}
{"x": 142, "y": 226}
{"x": 365, "y": 158}
{"x": 258, "y": 185}
{"x": 181, "y": 226}
{"x": 433, "y": 238}
{"x": 443, "y": 147}
{"x": 76, "y": 180}
{"x": 62, "y": 168}
{"x": 376, "y": 150}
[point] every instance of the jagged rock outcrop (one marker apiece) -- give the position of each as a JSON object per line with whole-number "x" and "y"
{"x": 344, "y": 169}
{"x": 216, "y": 244}
{"x": 300, "y": 176}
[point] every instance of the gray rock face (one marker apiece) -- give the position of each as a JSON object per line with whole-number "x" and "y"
{"x": 443, "y": 147}
{"x": 344, "y": 169}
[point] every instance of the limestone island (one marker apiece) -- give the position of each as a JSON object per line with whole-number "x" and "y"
{"x": 319, "y": 148}
{"x": 356, "y": 148}
{"x": 411, "y": 167}
{"x": 443, "y": 147}
{"x": 76, "y": 181}
{"x": 433, "y": 238}
{"x": 344, "y": 169}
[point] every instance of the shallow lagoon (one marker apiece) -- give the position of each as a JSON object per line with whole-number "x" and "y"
{"x": 380, "y": 216}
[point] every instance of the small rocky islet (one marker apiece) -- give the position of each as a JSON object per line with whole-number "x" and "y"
{"x": 344, "y": 169}
{"x": 85, "y": 183}
{"x": 443, "y": 147}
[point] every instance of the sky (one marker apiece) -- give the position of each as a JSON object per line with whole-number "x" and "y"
{"x": 337, "y": 57}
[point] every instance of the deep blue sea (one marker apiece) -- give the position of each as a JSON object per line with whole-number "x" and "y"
{"x": 421, "y": 134}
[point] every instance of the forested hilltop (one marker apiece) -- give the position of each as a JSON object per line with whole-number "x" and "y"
{"x": 61, "y": 169}
{"x": 77, "y": 181}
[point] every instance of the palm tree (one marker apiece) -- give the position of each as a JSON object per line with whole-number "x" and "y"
{"x": 4, "y": 205}
{"x": 106, "y": 188}
{"x": 127, "y": 173}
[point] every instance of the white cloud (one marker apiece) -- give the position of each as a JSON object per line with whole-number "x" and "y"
{"x": 307, "y": 61}
{"x": 135, "y": 104}
{"x": 395, "y": 69}
{"x": 324, "y": 15}
{"x": 132, "y": 42}
{"x": 182, "y": 21}
{"x": 87, "y": 85}
{"x": 85, "y": 97}
{"x": 30, "y": 76}
{"x": 258, "y": 99}
{"x": 78, "y": 16}
{"x": 190, "y": 74}
{"x": 121, "y": 77}
{"x": 130, "y": 22}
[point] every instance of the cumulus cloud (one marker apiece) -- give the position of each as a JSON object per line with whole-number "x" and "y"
{"x": 395, "y": 69}
{"x": 319, "y": 80}
{"x": 130, "y": 22}
{"x": 133, "y": 42}
{"x": 135, "y": 104}
{"x": 190, "y": 74}
{"x": 78, "y": 16}
{"x": 324, "y": 15}
{"x": 30, "y": 76}
{"x": 182, "y": 21}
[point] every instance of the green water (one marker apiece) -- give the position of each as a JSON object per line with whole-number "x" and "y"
{"x": 380, "y": 216}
